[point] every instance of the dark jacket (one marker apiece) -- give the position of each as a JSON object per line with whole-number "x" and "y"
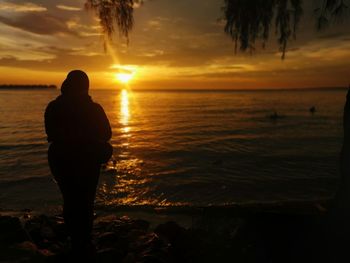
{"x": 76, "y": 120}
{"x": 77, "y": 125}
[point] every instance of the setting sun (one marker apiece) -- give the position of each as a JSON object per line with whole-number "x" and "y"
{"x": 124, "y": 77}
{"x": 125, "y": 73}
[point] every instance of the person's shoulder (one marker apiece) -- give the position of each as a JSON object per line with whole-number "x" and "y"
{"x": 98, "y": 109}
{"x": 54, "y": 103}
{"x": 97, "y": 106}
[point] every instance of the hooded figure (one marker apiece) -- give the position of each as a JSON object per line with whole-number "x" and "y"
{"x": 79, "y": 131}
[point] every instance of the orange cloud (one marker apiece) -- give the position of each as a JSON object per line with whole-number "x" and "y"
{"x": 25, "y": 7}
{"x": 68, "y": 8}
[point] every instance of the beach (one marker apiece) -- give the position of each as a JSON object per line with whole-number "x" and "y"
{"x": 289, "y": 232}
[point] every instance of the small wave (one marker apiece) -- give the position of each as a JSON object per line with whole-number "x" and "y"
{"x": 22, "y": 146}
{"x": 26, "y": 181}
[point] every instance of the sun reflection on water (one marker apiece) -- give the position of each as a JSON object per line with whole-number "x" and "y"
{"x": 128, "y": 182}
{"x": 124, "y": 107}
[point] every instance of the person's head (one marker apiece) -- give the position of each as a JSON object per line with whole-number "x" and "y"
{"x": 76, "y": 83}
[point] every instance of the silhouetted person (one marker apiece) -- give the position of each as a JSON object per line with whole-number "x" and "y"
{"x": 343, "y": 194}
{"x": 78, "y": 130}
{"x": 340, "y": 209}
{"x": 345, "y": 153}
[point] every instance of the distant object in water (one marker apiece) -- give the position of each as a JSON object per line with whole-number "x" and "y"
{"x": 275, "y": 116}
{"x": 27, "y": 87}
{"x": 312, "y": 110}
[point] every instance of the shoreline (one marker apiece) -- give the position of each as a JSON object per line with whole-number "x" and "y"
{"x": 303, "y": 207}
{"x": 237, "y": 234}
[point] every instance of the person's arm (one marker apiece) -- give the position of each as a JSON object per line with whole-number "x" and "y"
{"x": 103, "y": 126}
{"x": 345, "y": 152}
{"x": 49, "y": 122}
{"x": 346, "y": 117}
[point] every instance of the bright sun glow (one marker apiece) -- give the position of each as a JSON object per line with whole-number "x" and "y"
{"x": 124, "y": 73}
{"x": 124, "y": 77}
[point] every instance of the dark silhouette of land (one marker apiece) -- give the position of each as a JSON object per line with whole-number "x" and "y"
{"x": 27, "y": 87}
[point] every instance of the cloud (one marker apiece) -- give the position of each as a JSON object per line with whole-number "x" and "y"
{"x": 75, "y": 24}
{"x": 138, "y": 3}
{"x": 173, "y": 47}
{"x": 38, "y": 23}
{"x": 68, "y": 8}
{"x": 23, "y": 51}
{"x": 62, "y": 59}
{"x": 25, "y": 7}
{"x": 127, "y": 69}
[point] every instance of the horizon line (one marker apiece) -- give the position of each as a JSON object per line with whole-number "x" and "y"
{"x": 187, "y": 89}
{"x": 221, "y": 89}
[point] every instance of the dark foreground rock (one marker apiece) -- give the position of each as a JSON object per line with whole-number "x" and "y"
{"x": 213, "y": 237}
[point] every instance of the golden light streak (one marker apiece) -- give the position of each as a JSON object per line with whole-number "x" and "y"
{"x": 124, "y": 109}
{"x": 125, "y": 72}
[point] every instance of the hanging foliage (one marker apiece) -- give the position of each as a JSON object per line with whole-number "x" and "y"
{"x": 246, "y": 20}
{"x": 250, "y": 20}
{"x": 113, "y": 13}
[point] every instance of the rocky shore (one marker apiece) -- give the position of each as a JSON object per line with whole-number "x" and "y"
{"x": 214, "y": 235}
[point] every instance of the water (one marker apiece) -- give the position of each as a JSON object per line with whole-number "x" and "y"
{"x": 184, "y": 148}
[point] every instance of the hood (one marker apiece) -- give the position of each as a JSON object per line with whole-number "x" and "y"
{"x": 76, "y": 84}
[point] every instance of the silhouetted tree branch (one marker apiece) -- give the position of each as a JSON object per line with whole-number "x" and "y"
{"x": 249, "y": 20}
{"x": 330, "y": 10}
{"x": 114, "y": 12}
{"x": 246, "y": 20}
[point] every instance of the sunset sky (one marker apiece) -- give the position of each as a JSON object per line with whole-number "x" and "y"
{"x": 174, "y": 44}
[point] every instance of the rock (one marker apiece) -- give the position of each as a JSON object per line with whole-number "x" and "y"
{"x": 28, "y": 246}
{"x": 117, "y": 240}
{"x": 33, "y": 228}
{"x": 130, "y": 258}
{"x": 46, "y": 252}
{"x": 11, "y": 231}
{"x": 171, "y": 231}
{"x": 143, "y": 242}
{"x": 27, "y": 216}
{"x": 134, "y": 234}
{"x": 151, "y": 259}
{"x": 107, "y": 238}
{"x": 47, "y": 232}
{"x": 141, "y": 224}
{"x": 60, "y": 232}
{"x": 110, "y": 255}
{"x": 56, "y": 248}
{"x": 22, "y": 252}
{"x": 125, "y": 218}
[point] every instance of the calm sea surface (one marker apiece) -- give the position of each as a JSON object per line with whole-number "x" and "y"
{"x": 184, "y": 148}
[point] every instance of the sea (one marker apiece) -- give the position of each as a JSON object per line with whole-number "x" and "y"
{"x": 183, "y": 148}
